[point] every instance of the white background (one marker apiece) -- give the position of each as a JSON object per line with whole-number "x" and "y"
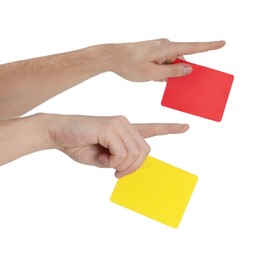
{"x": 54, "y": 208}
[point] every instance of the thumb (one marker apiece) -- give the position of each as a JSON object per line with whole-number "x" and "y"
{"x": 172, "y": 70}
{"x": 150, "y": 130}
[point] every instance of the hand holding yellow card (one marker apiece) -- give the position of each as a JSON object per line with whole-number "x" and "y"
{"x": 157, "y": 190}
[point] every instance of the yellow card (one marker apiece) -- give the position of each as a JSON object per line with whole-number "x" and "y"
{"x": 157, "y": 190}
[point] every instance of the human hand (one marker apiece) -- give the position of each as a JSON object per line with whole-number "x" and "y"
{"x": 110, "y": 142}
{"x": 151, "y": 60}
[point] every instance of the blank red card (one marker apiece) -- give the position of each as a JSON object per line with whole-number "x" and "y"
{"x": 203, "y": 93}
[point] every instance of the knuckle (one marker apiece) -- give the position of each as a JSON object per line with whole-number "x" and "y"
{"x": 146, "y": 149}
{"x": 118, "y": 160}
{"x": 162, "y": 42}
{"x": 116, "y": 121}
{"x": 122, "y": 156}
{"x": 152, "y": 129}
{"x": 135, "y": 153}
{"x": 121, "y": 119}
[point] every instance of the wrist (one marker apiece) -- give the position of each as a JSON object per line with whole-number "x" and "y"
{"x": 22, "y": 136}
{"x": 50, "y": 125}
{"x": 39, "y": 125}
{"x": 101, "y": 58}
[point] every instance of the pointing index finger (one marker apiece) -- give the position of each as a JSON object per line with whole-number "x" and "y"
{"x": 150, "y": 130}
{"x": 196, "y": 47}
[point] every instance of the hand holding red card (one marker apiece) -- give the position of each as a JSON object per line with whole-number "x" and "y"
{"x": 204, "y": 92}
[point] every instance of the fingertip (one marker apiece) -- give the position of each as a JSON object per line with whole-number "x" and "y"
{"x": 180, "y": 69}
{"x": 222, "y": 43}
{"x": 178, "y": 128}
{"x": 187, "y": 69}
{"x": 119, "y": 174}
{"x": 184, "y": 127}
{"x": 187, "y": 127}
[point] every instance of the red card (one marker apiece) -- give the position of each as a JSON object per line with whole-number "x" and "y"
{"x": 203, "y": 93}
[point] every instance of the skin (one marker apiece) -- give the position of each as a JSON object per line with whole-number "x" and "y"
{"x": 111, "y": 142}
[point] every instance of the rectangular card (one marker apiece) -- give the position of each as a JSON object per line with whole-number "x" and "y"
{"x": 157, "y": 190}
{"x": 203, "y": 93}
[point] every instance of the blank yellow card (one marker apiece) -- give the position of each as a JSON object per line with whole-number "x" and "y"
{"x": 157, "y": 190}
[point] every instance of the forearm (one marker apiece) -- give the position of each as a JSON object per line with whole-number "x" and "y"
{"x": 26, "y": 84}
{"x": 19, "y": 137}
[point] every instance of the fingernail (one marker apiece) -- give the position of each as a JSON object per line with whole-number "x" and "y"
{"x": 184, "y": 127}
{"x": 187, "y": 69}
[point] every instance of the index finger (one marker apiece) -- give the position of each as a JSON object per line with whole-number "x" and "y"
{"x": 196, "y": 47}
{"x": 150, "y": 130}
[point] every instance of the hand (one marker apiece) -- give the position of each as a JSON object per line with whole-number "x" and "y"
{"x": 150, "y": 60}
{"x": 110, "y": 142}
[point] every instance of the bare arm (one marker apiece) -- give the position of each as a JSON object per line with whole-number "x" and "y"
{"x": 101, "y": 141}
{"x": 26, "y": 84}
{"x": 110, "y": 142}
